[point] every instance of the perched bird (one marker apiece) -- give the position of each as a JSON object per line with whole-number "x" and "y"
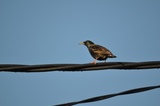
{"x": 97, "y": 52}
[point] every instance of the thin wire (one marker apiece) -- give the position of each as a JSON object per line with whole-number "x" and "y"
{"x": 79, "y": 67}
{"x": 98, "y": 98}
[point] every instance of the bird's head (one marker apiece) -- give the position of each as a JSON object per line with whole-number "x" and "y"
{"x": 87, "y": 43}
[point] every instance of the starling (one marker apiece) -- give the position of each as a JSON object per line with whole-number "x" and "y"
{"x": 97, "y": 52}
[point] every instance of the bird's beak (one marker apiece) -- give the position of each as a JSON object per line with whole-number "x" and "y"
{"x": 81, "y": 43}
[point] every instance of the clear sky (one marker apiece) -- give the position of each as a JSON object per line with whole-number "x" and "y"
{"x": 48, "y": 32}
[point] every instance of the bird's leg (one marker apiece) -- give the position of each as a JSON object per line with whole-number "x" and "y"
{"x": 94, "y": 62}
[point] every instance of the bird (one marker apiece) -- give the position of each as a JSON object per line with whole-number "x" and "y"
{"x": 98, "y": 52}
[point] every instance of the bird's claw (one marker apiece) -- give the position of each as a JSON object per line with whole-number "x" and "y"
{"x": 94, "y": 62}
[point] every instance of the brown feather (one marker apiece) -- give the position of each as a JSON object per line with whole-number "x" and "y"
{"x": 98, "y": 52}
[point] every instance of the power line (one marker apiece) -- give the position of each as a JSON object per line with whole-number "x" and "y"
{"x": 86, "y": 67}
{"x": 79, "y": 67}
{"x": 98, "y": 98}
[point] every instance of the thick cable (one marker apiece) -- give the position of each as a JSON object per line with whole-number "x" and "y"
{"x": 79, "y": 67}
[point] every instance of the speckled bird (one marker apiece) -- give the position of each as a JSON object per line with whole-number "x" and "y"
{"x": 98, "y": 52}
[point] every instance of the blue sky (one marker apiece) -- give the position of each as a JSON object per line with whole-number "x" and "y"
{"x": 48, "y": 32}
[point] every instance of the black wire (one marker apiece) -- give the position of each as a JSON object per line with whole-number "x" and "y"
{"x": 79, "y": 67}
{"x": 98, "y": 98}
{"x": 86, "y": 67}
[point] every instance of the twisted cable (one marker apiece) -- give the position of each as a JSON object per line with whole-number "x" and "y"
{"x": 79, "y": 67}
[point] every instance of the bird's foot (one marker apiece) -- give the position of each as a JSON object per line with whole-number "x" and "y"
{"x": 94, "y": 62}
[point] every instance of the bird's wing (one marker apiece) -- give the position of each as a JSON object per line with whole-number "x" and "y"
{"x": 100, "y": 50}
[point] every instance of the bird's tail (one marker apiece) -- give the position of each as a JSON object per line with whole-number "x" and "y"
{"x": 112, "y": 56}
